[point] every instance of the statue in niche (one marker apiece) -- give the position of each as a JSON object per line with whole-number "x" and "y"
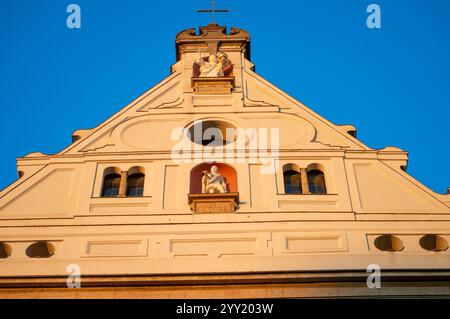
{"x": 213, "y": 182}
{"x": 215, "y": 65}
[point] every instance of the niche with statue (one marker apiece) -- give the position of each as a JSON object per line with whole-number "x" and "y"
{"x": 213, "y": 189}
{"x": 213, "y": 74}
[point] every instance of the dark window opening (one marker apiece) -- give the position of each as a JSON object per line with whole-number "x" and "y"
{"x": 135, "y": 185}
{"x": 111, "y": 185}
{"x": 40, "y": 249}
{"x": 316, "y": 182}
{"x": 292, "y": 182}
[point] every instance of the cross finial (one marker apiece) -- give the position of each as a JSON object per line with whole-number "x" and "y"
{"x": 213, "y": 11}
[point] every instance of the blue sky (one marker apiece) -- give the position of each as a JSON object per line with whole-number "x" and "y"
{"x": 393, "y": 83}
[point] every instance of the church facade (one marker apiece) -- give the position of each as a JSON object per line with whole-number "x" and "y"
{"x": 217, "y": 184}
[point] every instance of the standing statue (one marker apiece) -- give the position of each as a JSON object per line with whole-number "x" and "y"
{"x": 213, "y": 182}
{"x": 215, "y": 65}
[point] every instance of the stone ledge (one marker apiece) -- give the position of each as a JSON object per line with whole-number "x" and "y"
{"x": 336, "y": 278}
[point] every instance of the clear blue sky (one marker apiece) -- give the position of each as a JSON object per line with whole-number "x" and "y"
{"x": 393, "y": 84}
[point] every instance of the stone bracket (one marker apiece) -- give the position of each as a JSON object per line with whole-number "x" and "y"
{"x": 206, "y": 85}
{"x": 219, "y": 203}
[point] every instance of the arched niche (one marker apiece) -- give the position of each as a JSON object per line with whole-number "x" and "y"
{"x": 227, "y": 171}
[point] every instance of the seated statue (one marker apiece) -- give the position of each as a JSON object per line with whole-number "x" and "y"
{"x": 213, "y": 182}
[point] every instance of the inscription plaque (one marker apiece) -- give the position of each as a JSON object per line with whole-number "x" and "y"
{"x": 219, "y": 85}
{"x": 224, "y": 203}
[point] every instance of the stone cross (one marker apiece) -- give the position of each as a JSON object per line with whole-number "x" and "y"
{"x": 213, "y": 11}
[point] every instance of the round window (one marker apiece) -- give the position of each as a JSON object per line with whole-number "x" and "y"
{"x": 40, "y": 249}
{"x": 212, "y": 133}
{"x": 389, "y": 243}
{"x": 433, "y": 243}
{"x": 5, "y": 250}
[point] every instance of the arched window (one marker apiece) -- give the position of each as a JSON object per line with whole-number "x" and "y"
{"x": 135, "y": 185}
{"x": 316, "y": 182}
{"x": 111, "y": 185}
{"x": 292, "y": 182}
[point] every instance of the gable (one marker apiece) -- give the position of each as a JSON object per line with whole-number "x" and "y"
{"x": 149, "y": 125}
{"x": 262, "y": 105}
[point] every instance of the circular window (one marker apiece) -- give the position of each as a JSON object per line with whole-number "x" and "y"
{"x": 40, "y": 249}
{"x": 212, "y": 133}
{"x": 5, "y": 250}
{"x": 388, "y": 243}
{"x": 433, "y": 243}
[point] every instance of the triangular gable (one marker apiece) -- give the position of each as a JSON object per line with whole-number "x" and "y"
{"x": 259, "y": 94}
